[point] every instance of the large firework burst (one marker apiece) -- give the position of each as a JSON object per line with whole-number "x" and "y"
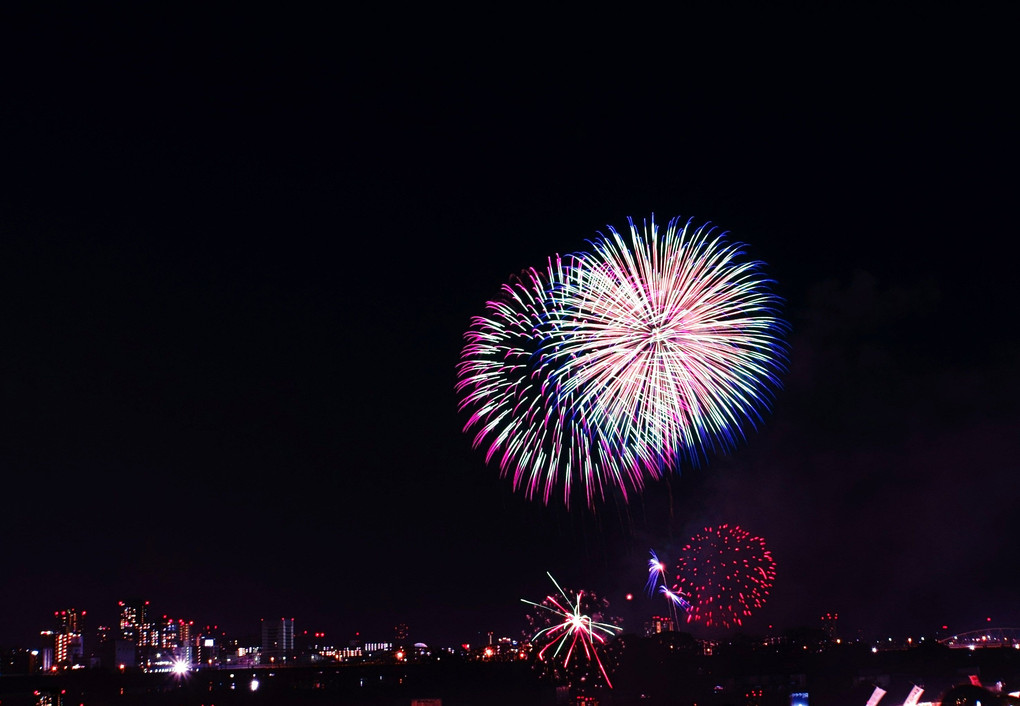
{"x": 614, "y": 365}
{"x": 726, "y": 573}
{"x": 539, "y": 432}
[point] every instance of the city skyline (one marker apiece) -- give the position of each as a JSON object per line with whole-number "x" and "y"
{"x": 133, "y": 623}
{"x": 240, "y": 256}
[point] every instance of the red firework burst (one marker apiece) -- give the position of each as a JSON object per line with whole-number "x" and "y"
{"x": 726, "y": 574}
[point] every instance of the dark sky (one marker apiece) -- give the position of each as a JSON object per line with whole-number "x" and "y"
{"x": 239, "y": 254}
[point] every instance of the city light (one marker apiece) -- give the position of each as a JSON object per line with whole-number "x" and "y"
{"x": 568, "y": 627}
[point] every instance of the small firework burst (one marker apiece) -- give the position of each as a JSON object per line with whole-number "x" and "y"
{"x": 569, "y": 630}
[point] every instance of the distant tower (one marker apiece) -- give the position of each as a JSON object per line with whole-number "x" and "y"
{"x": 829, "y": 623}
{"x": 185, "y": 634}
{"x": 277, "y": 640}
{"x": 134, "y": 622}
{"x": 400, "y": 634}
{"x": 68, "y": 641}
{"x": 104, "y": 634}
{"x": 70, "y": 621}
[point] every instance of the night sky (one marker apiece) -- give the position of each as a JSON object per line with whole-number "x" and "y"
{"x": 239, "y": 254}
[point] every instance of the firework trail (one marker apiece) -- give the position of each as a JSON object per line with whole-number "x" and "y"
{"x": 675, "y": 600}
{"x": 656, "y": 574}
{"x": 657, "y": 580}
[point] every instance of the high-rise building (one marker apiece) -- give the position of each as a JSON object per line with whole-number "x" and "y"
{"x": 169, "y": 633}
{"x": 186, "y": 638}
{"x": 70, "y": 621}
{"x": 134, "y": 622}
{"x": 62, "y": 649}
{"x": 277, "y": 640}
{"x": 830, "y": 622}
{"x": 68, "y": 637}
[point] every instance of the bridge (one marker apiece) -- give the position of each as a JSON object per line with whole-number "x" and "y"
{"x": 985, "y": 637}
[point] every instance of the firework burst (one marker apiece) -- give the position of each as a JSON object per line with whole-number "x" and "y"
{"x": 726, "y": 573}
{"x": 569, "y": 627}
{"x": 538, "y": 432}
{"x": 657, "y": 580}
{"x": 656, "y": 574}
{"x": 670, "y": 338}
{"x": 615, "y": 365}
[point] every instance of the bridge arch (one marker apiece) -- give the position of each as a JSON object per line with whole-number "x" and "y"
{"x": 985, "y": 637}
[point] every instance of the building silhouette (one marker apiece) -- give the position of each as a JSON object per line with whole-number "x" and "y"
{"x": 277, "y": 640}
{"x": 68, "y": 637}
{"x": 134, "y": 622}
{"x": 658, "y": 625}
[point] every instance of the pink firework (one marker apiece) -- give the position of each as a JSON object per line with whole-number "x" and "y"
{"x": 614, "y": 366}
{"x": 726, "y": 574}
